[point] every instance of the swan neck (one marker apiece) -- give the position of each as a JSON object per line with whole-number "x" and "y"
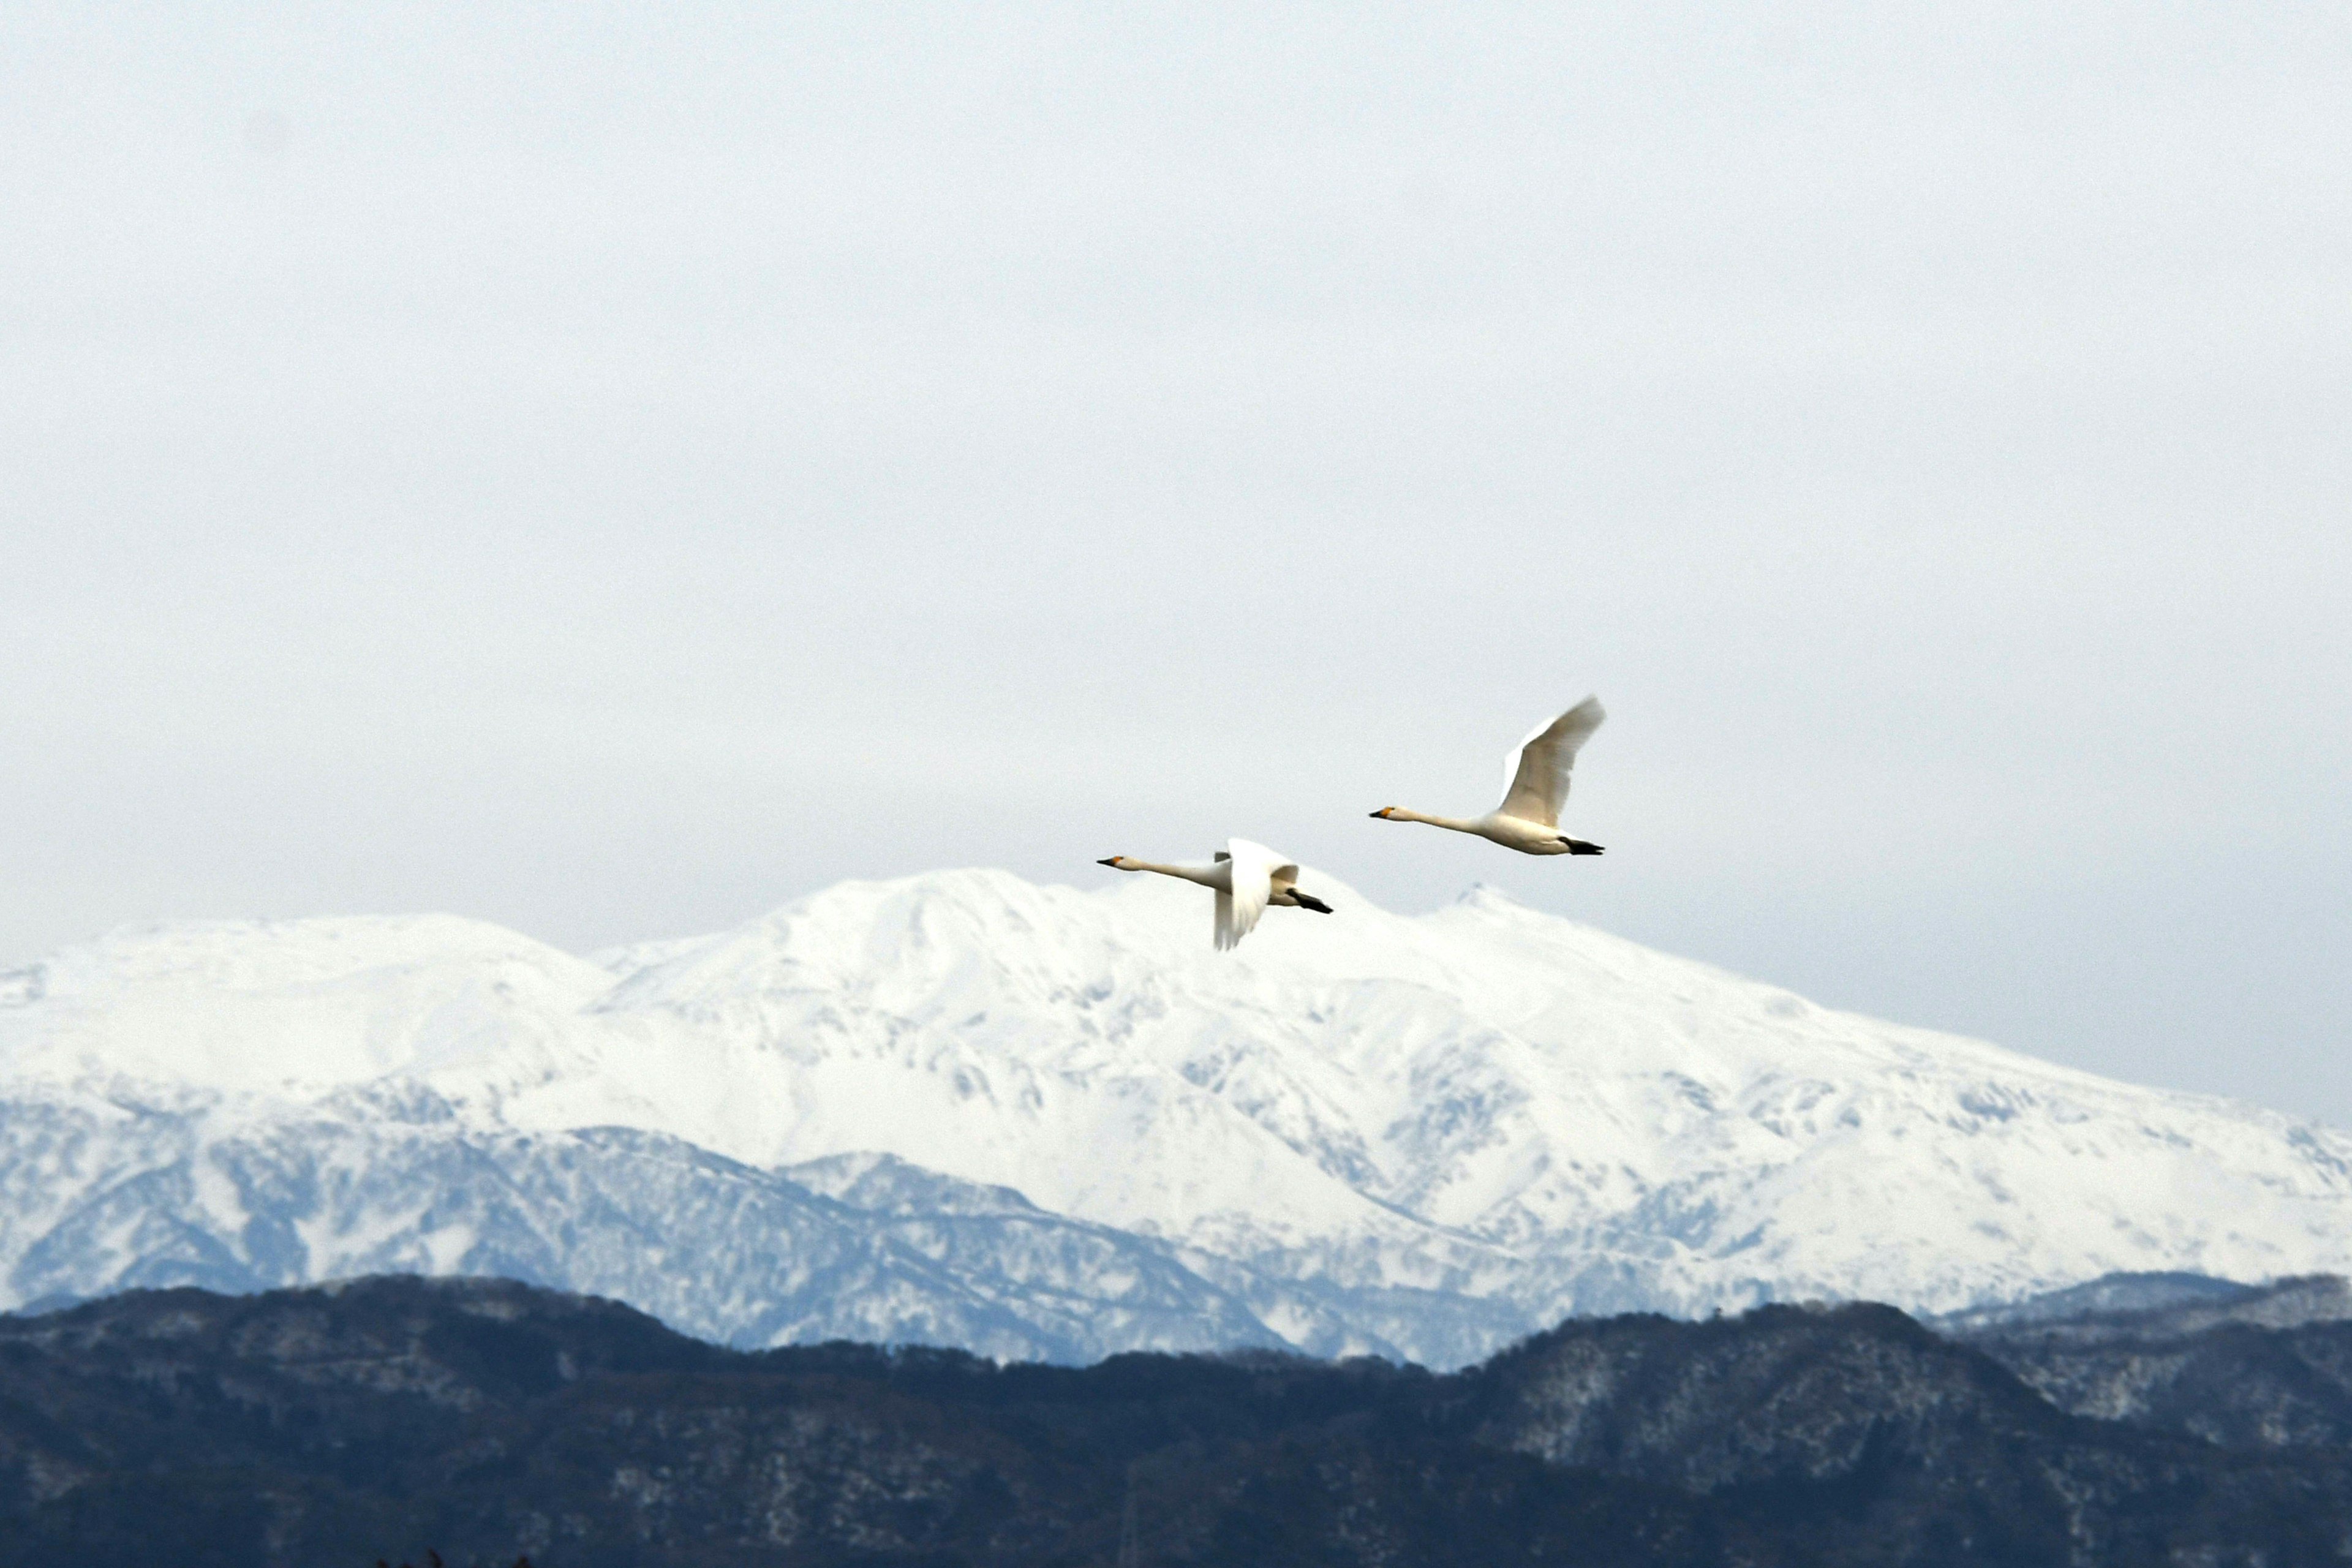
{"x": 1188, "y": 873}
{"x": 1458, "y": 824}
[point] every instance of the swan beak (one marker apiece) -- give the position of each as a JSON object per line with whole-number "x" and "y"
{"x": 1384, "y": 810}
{"x": 1113, "y": 862}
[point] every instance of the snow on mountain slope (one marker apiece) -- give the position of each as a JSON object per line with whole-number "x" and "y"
{"x": 1362, "y": 1130}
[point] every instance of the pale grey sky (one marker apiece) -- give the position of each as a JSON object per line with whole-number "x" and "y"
{"x": 611, "y": 470}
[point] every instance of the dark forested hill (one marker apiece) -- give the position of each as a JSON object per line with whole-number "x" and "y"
{"x": 487, "y": 1420}
{"x": 2260, "y": 1366}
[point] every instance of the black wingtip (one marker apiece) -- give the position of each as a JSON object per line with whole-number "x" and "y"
{"x": 1310, "y": 901}
{"x": 1578, "y": 846}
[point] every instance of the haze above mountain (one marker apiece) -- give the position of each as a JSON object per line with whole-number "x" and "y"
{"x": 1033, "y": 1120}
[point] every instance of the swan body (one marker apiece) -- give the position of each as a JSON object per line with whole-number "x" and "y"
{"x": 1535, "y": 788}
{"x": 1247, "y": 878}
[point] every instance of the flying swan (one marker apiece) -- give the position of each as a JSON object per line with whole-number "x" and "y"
{"x": 1535, "y": 787}
{"x": 1247, "y": 878}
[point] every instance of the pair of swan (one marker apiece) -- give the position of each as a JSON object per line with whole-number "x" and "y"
{"x": 1249, "y": 878}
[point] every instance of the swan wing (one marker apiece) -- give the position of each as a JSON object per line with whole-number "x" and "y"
{"x": 1535, "y": 777}
{"x": 1253, "y": 870}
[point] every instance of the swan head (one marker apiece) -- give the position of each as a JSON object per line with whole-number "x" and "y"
{"x": 1385, "y": 812}
{"x": 1114, "y": 861}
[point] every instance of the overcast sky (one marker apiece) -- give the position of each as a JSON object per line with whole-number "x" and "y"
{"x": 611, "y": 470}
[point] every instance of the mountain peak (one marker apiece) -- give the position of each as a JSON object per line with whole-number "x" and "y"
{"x": 1486, "y": 896}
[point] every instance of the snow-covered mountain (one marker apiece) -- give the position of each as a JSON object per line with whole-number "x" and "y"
{"x": 1038, "y": 1122}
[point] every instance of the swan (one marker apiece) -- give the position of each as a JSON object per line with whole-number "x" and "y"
{"x": 1247, "y": 878}
{"x": 1535, "y": 787}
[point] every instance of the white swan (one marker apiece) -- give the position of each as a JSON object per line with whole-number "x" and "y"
{"x": 1247, "y": 878}
{"x": 1535, "y": 787}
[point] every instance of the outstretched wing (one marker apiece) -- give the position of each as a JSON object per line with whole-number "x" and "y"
{"x": 1535, "y": 777}
{"x": 1253, "y": 866}
{"x": 1225, "y": 908}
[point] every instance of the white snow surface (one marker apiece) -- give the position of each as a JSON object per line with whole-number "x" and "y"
{"x": 964, "y": 1109}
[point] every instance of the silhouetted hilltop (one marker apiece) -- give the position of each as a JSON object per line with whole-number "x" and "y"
{"x": 487, "y": 1419}
{"x": 2241, "y": 1365}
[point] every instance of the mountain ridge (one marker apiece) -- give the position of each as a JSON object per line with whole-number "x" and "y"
{"x": 1411, "y": 1135}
